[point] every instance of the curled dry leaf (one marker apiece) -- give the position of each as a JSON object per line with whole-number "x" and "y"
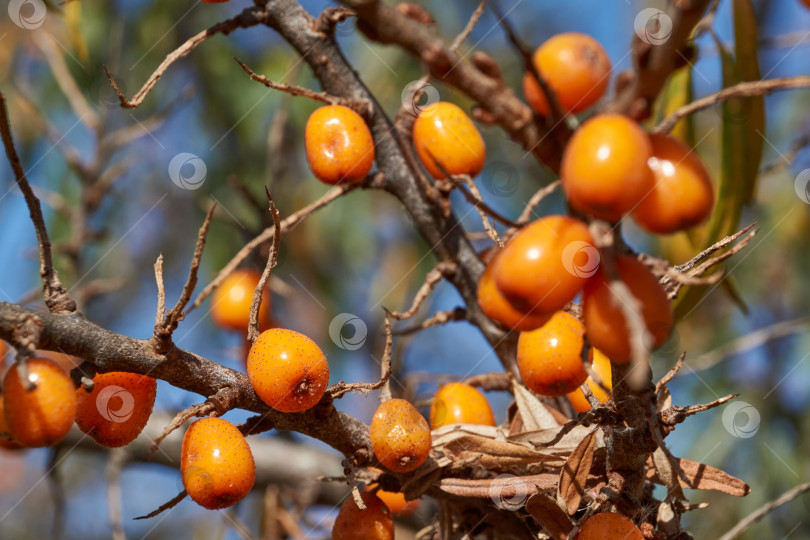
{"x": 705, "y": 477}
{"x": 507, "y": 487}
{"x": 551, "y": 517}
{"x": 533, "y": 413}
{"x": 574, "y": 474}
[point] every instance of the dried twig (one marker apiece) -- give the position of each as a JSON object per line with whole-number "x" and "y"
{"x": 677, "y": 414}
{"x": 199, "y": 409}
{"x": 166, "y": 506}
{"x": 160, "y": 315}
{"x": 438, "y": 318}
{"x": 537, "y": 198}
{"x": 336, "y": 391}
{"x": 272, "y": 260}
{"x": 762, "y": 511}
{"x": 432, "y": 279}
{"x": 115, "y": 462}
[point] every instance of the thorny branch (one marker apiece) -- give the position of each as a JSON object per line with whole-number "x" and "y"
{"x": 272, "y": 260}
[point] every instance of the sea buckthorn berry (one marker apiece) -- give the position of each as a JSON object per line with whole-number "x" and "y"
{"x": 608, "y": 526}
{"x": 373, "y": 523}
{"x": 288, "y": 370}
{"x": 117, "y": 409}
{"x": 550, "y": 358}
{"x": 546, "y": 264}
{"x": 577, "y": 69}
{"x": 339, "y": 146}
{"x": 603, "y": 315}
{"x": 498, "y": 308}
{"x": 216, "y": 463}
{"x": 682, "y": 195}
{"x": 444, "y": 134}
{"x": 396, "y": 503}
{"x": 460, "y": 403}
{"x": 601, "y": 366}
{"x": 43, "y": 416}
{"x": 6, "y": 443}
{"x": 400, "y": 436}
{"x": 5, "y": 353}
{"x": 605, "y": 171}
{"x": 230, "y": 306}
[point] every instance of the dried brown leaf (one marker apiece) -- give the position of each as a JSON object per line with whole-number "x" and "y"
{"x": 566, "y": 444}
{"x": 668, "y": 473}
{"x": 544, "y": 509}
{"x": 574, "y": 474}
{"x": 533, "y": 413}
{"x": 664, "y": 399}
{"x": 705, "y": 477}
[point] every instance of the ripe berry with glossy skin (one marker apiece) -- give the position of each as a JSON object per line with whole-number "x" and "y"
{"x": 604, "y": 169}
{"x": 550, "y": 358}
{"x": 682, "y": 195}
{"x": 601, "y": 366}
{"x": 396, "y": 503}
{"x": 545, "y": 265}
{"x": 609, "y": 526}
{"x": 5, "y": 443}
{"x": 43, "y": 416}
{"x": 373, "y": 523}
{"x": 117, "y": 409}
{"x": 288, "y": 370}
{"x": 400, "y": 436}
{"x": 230, "y": 305}
{"x": 216, "y": 463}
{"x": 460, "y": 403}
{"x": 339, "y": 146}
{"x": 604, "y": 319}
{"x": 443, "y": 133}
{"x": 577, "y": 69}
{"x": 498, "y": 308}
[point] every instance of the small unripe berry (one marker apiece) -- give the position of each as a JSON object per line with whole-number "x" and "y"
{"x": 400, "y": 436}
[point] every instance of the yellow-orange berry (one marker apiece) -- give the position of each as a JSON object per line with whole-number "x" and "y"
{"x": 339, "y": 146}
{"x": 230, "y": 305}
{"x": 396, "y": 503}
{"x": 216, "y": 463}
{"x": 43, "y": 416}
{"x": 609, "y": 526}
{"x": 498, "y": 308}
{"x": 460, "y": 403}
{"x": 400, "y": 436}
{"x": 373, "y": 523}
{"x": 604, "y": 319}
{"x": 601, "y": 366}
{"x": 577, "y": 69}
{"x": 550, "y": 358}
{"x": 117, "y": 409}
{"x": 5, "y": 353}
{"x": 682, "y": 195}
{"x": 444, "y": 134}
{"x": 604, "y": 168}
{"x": 6, "y": 443}
{"x": 546, "y": 264}
{"x": 288, "y": 370}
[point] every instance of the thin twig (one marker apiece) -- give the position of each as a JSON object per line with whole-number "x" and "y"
{"x": 438, "y": 318}
{"x": 115, "y": 462}
{"x": 763, "y": 510}
{"x": 336, "y": 391}
{"x": 198, "y": 409}
{"x": 272, "y": 260}
{"x": 160, "y": 315}
{"x": 166, "y": 506}
{"x": 465, "y": 33}
{"x": 432, "y": 279}
{"x": 677, "y": 414}
{"x": 537, "y": 198}
{"x": 720, "y": 244}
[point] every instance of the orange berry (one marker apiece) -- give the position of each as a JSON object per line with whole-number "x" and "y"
{"x": 396, "y": 503}
{"x": 400, "y": 436}
{"x": 216, "y": 463}
{"x": 460, "y": 403}
{"x": 601, "y": 366}
{"x": 608, "y": 526}
{"x": 339, "y": 146}
{"x": 550, "y": 358}
{"x": 230, "y": 305}
{"x": 682, "y": 196}
{"x": 604, "y": 169}
{"x": 577, "y": 69}
{"x": 5, "y": 353}
{"x": 444, "y": 134}
{"x": 499, "y": 309}
{"x": 373, "y": 523}
{"x": 604, "y": 319}
{"x": 288, "y": 370}
{"x": 5, "y": 443}
{"x": 43, "y": 416}
{"x": 546, "y": 264}
{"x": 117, "y": 409}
